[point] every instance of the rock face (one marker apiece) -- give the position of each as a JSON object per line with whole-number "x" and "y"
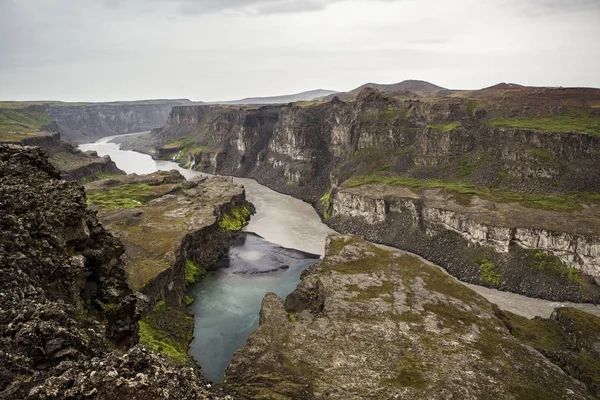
{"x": 165, "y": 222}
{"x": 461, "y": 236}
{"x": 373, "y": 323}
{"x": 65, "y": 305}
{"x": 72, "y": 164}
{"x": 86, "y": 123}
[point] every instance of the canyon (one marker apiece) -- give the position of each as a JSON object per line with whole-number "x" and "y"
{"x": 499, "y": 186}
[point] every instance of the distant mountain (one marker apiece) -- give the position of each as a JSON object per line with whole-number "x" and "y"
{"x": 414, "y": 86}
{"x": 289, "y": 98}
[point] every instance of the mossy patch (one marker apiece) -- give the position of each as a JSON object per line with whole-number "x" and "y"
{"x": 123, "y": 196}
{"x": 169, "y": 331}
{"x": 557, "y": 123}
{"x": 542, "y": 154}
{"x": 236, "y": 218}
{"x": 193, "y": 272}
{"x": 488, "y": 271}
{"x": 410, "y": 372}
{"x": 325, "y": 202}
{"x": 550, "y": 264}
{"x": 450, "y": 126}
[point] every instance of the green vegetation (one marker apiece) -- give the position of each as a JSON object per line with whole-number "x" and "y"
{"x": 445, "y": 127}
{"x": 410, "y": 372}
{"x": 123, "y": 196}
{"x": 193, "y": 272}
{"x": 189, "y": 300}
{"x": 23, "y": 121}
{"x": 24, "y": 104}
{"x": 551, "y": 264}
{"x": 185, "y": 146}
{"x": 235, "y": 219}
{"x": 383, "y": 117}
{"x": 567, "y": 340}
{"x": 558, "y": 123}
{"x": 471, "y": 107}
{"x": 464, "y": 169}
{"x": 488, "y": 271}
{"x": 325, "y": 202}
{"x": 541, "y": 153}
{"x": 169, "y": 331}
{"x": 568, "y": 202}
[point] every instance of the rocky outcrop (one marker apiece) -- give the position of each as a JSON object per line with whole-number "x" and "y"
{"x": 542, "y": 253}
{"x": 374, "y": 323}
{"x": 65, "y": 301}
{"x": 166, "y": 222}
{"x": 72, "y": 164}
{"x": 89, "y": 122}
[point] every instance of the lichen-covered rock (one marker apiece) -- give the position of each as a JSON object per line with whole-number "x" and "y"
{"x": 375, "y": 323}
{"x": 67, "y": 315}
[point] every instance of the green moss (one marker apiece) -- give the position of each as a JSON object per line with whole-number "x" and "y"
{"x": 169, "y": 331}
{"x": 464, "y": 170}
{"x": 471, "y": 107}
{"x": 551, "y": 264}
{"x": 445, "y": 127}
{"x": 325, "y": 202}
{"x": 193, "y": 272}
{"x": 236, "y": 218}
{"x": 557, "y": 123}
{"x": 292, "y": 317}
{"x": 189, "y": 300}
{"x": 123, "y": 196}
{"x": 541, "y": 154}
{"x": 538, "y": 332}
{"x": 410, "y": 372}
{"x": 488, "y": 271}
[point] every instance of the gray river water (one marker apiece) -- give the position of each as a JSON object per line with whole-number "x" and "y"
{"x": 284, "y": 237}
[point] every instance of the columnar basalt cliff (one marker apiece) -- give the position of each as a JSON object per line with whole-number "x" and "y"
{"x": 68, "y": 320}
{"x": 525, "y": 151}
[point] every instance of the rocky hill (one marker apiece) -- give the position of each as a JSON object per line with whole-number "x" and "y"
{"x": 511, "y": 167}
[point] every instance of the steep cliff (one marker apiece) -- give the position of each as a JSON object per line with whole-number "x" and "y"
{"x": 88, "y": 122}
{"x": 68, "y": 320}
{"x": 374, "y": 323}
{"x": 537, "y": 148}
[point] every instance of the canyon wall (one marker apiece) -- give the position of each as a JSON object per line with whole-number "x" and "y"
{"x": 89, "y": 122}
{"x": 317, "y": 150}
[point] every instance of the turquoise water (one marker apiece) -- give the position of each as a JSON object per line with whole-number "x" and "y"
{"x": 228, "y": 300}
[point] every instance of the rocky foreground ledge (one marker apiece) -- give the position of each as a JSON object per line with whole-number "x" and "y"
{"x": 68, "y": 320}
{"x": 379, "y": 324}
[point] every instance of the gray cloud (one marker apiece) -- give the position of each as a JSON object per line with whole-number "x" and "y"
{"x": 251, "y": 7}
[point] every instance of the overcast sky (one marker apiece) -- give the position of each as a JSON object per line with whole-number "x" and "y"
{"x": 101, "y": 50}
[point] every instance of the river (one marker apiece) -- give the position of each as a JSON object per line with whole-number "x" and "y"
{"x": 284, "y": 232}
